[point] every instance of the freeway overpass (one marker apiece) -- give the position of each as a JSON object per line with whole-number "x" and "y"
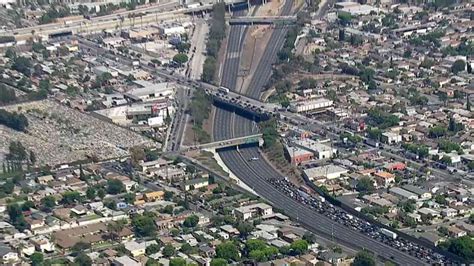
{"x": 262, "y": 20}
{"x": 230, "y": 100}
{"x": 251, "y": 139}
{"x": 123, "y": 19}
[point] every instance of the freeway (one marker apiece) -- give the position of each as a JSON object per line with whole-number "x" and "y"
{"x": 256, "y": 173}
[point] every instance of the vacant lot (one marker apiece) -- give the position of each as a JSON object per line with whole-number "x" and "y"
{"x": 58, "y": 134}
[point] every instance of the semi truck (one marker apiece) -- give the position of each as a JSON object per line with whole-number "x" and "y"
{"x": 388, "y": 233}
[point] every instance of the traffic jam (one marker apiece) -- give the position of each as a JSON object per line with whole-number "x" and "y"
{"x": 338, "y": 215}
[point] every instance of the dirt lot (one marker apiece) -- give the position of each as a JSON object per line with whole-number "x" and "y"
{"x": 58, "y": 134}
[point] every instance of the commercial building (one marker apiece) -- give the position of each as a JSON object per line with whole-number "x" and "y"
{"x": 249, "y": 211}
{"x": 150, "y": 91}
{"x": 168, "y": 29}
{"x": 312, "y": 105}
{"x": 356, "y": 9}
{"x": 320, "y": 150}
{"x": 326, "y": 172}
{"x": 297, "y": 155}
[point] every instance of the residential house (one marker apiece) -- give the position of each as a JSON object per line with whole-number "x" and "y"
{"x": 195, "y": 183}
{"x": 391, "y": 138}
{"x": 454, "y": 231}
{"x": 154, "y": 196}
{"x": 384, "y": 179}
{"x": 125, "y": 261}
{"x": 246, "y": 212}
{"x": 421, "y": 193}
{"x": 7, "y": 255}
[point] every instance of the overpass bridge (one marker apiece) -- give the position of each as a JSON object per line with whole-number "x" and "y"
{"x": 122, "y": 19}
{"x": 251, "y": 139}
{"x": 262, "y": 20}
{"x": 230, "y": 100}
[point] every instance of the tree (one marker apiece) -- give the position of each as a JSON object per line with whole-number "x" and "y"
{"x": 228, "y": 251}
{"x": 48, "y": 202}
{"x": 458, "y": 66}
{"x": 463, "y": 246}
{"x": 408, "y": 206}
{"x": 309, "y": 237}
{"x": 344, "y": 18}
{"x": 191, "y": 221}
{"x": 137, "y": 154}
{"x": 82, "y": 260}
{"x": 365, "y": 185}
{"x": 101, "y": 193}
{"x": 81, "y": 247}
{"x": 258, "y": 255}
{"x": 255, "y": 244}
{"x": 116, "y": 227}
{"x": 299, "y": 247}
{"x": 168, "y": 195}
{"x": 91, "y": 193}
{"x": 144, "y": 225}
{"x": 22, "y": 65}
{"x": 177, "y": 262}
{"x": 440, "y": 199}
{"x": 71, "y": 197}
{"x": 152, "y": 249}
{"x": 36, "y": 258}
{"x": 115, "y": 186}
{"x": 13, "y": 120}
{"x": 7, "y": 95}
{"x": 342, "y": 35}
{"x": 245, "y": 229}
{"x": 180, "y": 58}
{"x": 363, "y": 258}
{"x": 32, "y": 158}
{"x": 168, "y": 250}
{"x": 437, "y": 131}
{"x": 218, "y": 262}
{"x": 16, "y": 216}
{"x": 446, "y": 160}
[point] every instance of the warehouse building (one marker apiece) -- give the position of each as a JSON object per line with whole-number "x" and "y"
{"x": 403, "y": 194}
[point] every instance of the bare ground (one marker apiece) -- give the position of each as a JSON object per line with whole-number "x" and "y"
{"x": 255, "y": 43}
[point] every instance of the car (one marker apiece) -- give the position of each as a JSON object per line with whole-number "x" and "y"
{"x": 253, "y": 159}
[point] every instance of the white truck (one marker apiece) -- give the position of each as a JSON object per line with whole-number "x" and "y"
{"x": 389, "y": 233}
